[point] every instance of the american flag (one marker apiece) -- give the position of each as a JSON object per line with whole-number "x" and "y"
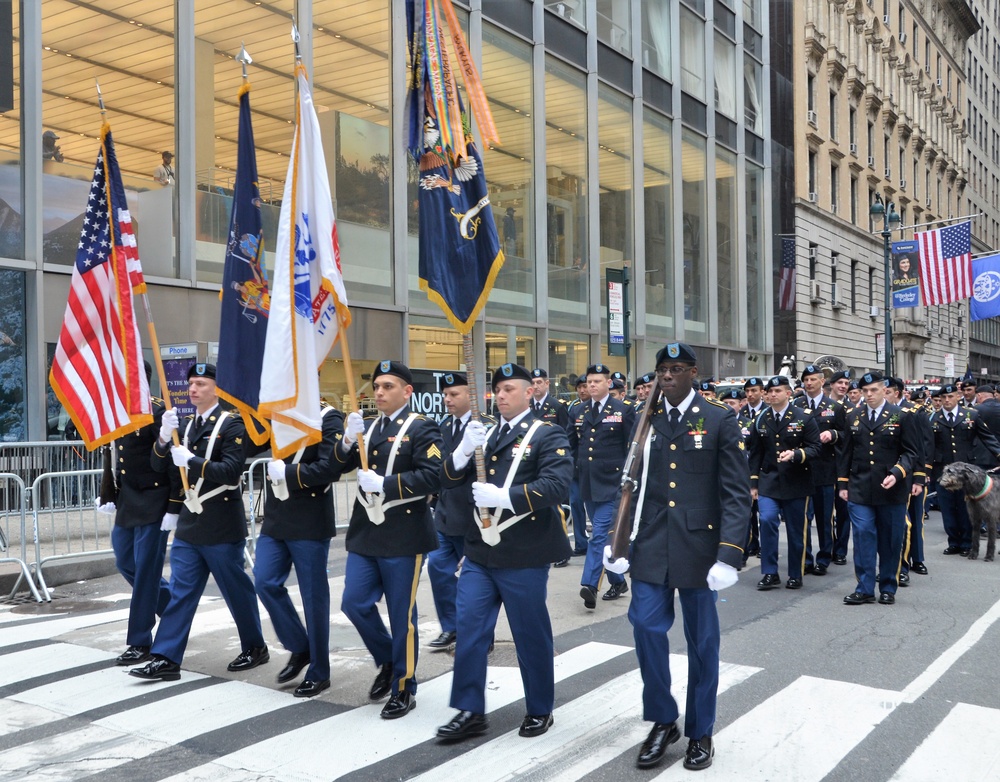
{"x": 97, "y": 370}
{"x": 945, "y": 263}
{"x": 786, "y": 284}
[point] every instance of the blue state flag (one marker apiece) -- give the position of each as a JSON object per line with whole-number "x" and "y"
{"x": 246, "y": 298}
{"x": 985, "y": 301}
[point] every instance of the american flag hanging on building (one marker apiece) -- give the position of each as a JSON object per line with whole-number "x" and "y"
{"x": 97, "y": 371}
{"x": 786, "y": 283}
{"x": 945, "y": 263}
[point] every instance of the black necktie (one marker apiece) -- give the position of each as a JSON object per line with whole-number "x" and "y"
{"x": 951, "y": 418}
{"x": 198, "y": 421}
{"x": 457, "y": 429}
{"x": 382, "y": 424}
{"x": 871, "y": 414}
{"x": 812, "y": 403}
{"x": 503, "y": 431}
{"x": 538, "y": 407}
{"x": 675, "y": 418}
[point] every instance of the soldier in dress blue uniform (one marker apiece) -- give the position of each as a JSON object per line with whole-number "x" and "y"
{"x": 957, "y": 429}
{"x": 643, "y": 385}
{"x": 619, "y": 387}
{"x": 507, "y": 563}
{"x": 545, "y": 406}
{"x": 874, "y": 475}
{"x": 845, "y": 391}
{"x": 145, "y": 511}
{"x": 913, "y": 545}
{"x": 690, "y": 518}
{"x": 831, "y": 420}
{"x": 599, "y": 440}
{"x": 391, "y": 530}
{"x": 297, "y": 529}
{"x": 784, "y": 441}
{"x": 453, "y": 510}
{"x": 707, "y": 389}
{"x": 577, "y": 510}
{"x": 210, "y": 540}
{"x": 753, "y": 389}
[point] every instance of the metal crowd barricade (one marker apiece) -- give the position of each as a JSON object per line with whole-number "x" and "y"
{"x": 31, "y": 459}
{"x": 14, "y": 508}
{"x": 66, "y": 522}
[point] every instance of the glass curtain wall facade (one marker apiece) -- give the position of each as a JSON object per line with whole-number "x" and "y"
{"x": 623, "y": 97}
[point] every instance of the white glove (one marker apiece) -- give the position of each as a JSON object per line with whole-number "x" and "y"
{"x": 354, "y": 426}
{"x": 721, "y": 576}
{"x": 473, "y": 437}
{"x": 169, "y": 522}
{"x": 108, "y": 508}
{"x": 181, "y": 455}
{"x": 370, "y": 481}
{"x": 619, "y": 566}
{"x": 168, "y": 425}
{"x": 276, "y": 471}
{"x": 486, "y": 495}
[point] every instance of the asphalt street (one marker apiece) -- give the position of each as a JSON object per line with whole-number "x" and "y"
{"x": 811, "y": 689}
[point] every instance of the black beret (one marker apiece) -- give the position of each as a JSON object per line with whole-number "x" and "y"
{"x": 397, "y": 368}
{"x": 581, "y": 380}
{"x": 598, "y": 369}
{"x": 947, "y": 389}
{"x": 753, "y": 382}
{"x": 617, "y": 384}
{"x": 620, "y": 377}
{"x": 510, "y": 372}
{"x": 454, "y": 379}
{"x": 811, "y": 369}
{"x": 676, "y": 351}
{"x": 968, "y": 384}
{"x": 853, "y": 386}
{"x": 642, "y": 380}
{"x": 539, "y": 372}
{"x": 202, "y": 370}
{"x": 777, "y": 381}
{"x": 844, "y": 374}
{"x": 706, "y": 385}
{"x": 895, "y": 382}
{"x": 870, "y": 377}
{"x": 733, "y": 393}
{"x": 987, "y": 387}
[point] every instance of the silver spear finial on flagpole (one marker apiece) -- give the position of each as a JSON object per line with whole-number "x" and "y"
{"x": 244, "y": 59}
{"x": 295, "y": 39}
{"x": 100, "y": 98}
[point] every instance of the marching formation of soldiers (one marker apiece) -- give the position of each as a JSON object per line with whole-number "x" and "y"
{"x": 483, "y": 499}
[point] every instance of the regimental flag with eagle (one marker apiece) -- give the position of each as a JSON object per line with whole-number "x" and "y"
{"x": 97, "y": 370}
{"x": 245, "y": 295}
{"x": 460, "y": 255}
{"x": 309, "y": 308}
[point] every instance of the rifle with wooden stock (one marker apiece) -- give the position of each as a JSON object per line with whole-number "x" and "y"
{"x": 622, "y": 532}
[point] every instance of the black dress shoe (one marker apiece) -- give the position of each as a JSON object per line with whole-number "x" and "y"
{"x": 399, "y": 705}
{"x": 589, "y": 595}
{"x": 616, "y": 591}
{"x": 443, "y": 641}
{"x": 562, "y": 563}
{"x": 463, "y": 725}
{"x": 840, "y": 560}
{"x": 963, "y": 552}
{"x": 133, "y": 656}
{"x": 380, "y": 688}
{"x": 157, "y": 669}
{"x": 809, "y": 568}
{"x": 770, "y": 581}
{"x": 819, "y": 570}
{"x": 309, "y": 688}
{"x": 904, "y": 579}
{"x": 579, "y": 552}
{"x": 919, "y": 567}
{"x": 793, "y": 583}
{"x": 887, "y": 598}
{"x": 953, "y": 550}
{"x": 296, "y": 663}
{"x": 249, "y": 658}
{"x": 699, "y": 753}
{"x": 655, "y": 746}
{"x": 535, "y": 725}
{"x": 858, "y": 598}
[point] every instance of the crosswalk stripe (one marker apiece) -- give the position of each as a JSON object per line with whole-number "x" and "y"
{"x": 960, "y": 732}
{"x": 38, "y": 631}
{"x": 30, "y": 663}
{"x": 15, "y": 717}
{"x": 815, "y": 721}
{"x": 587, "y": 733}
{"x": 334, "y": 742}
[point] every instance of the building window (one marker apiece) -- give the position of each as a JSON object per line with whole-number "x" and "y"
{"x": 695, "y": 215}
{"x": 852, "y": 128}
{"x": 725, "y": 76}
{"x": 813, "y": 251}
{"x": 614, "y": 25}
{"x": 13, "y": 353}
{"x": 811, "y": 92}
{"x": 834, "y": 189}
{"x": 871, "y": 144}
{"x": 656, "y": 39}
{"x": 657, "y": 191}
{"x": 812, "y": 174}
{"x": 727, "y": 233}
{"x": 752, "y": 79}
{"x": 692, "y": 54}
{"x": 757, "y": 271}
{"x": 871, "y": 288}
{"x": 854, "y": 287}
{"x": 833, "y": 117}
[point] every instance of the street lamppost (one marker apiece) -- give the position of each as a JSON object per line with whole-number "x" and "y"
{"x": 890, "y": 218}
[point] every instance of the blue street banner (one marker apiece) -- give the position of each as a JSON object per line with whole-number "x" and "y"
{"x": 985, "y": 301}
{"x": 246, "y": 300}
{"x": 905, "y": 274}
{"x": 460, "y": 255}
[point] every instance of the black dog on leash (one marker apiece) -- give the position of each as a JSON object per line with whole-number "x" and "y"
{"x": 982, "y": 499}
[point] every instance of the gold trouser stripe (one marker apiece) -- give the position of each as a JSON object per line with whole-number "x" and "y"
{"x": 411, "y": 631}
{"x": 906, "y": 544}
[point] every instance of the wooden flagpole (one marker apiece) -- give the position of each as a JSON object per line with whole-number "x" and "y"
{"x": 471, "y": 375}
{"x": 151, "y": 326}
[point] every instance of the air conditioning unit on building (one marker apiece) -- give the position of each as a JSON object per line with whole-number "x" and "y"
{"x": 928, "y": 202}
{"x": 902, "y": 38}
{"x": 812, "y": 253}
{"x": 815, "y": 291}
{"x": 854, "y": 149}
{"x": 888, "y": 173}
{"x": 873, "y": 311}
{"x": 885, "y": 20}
{"x": 835, "y": 300}
{"x": 938, "y": 82}
{"x": 961, "y": 334}
{"x": 871, "y": 161}
{"x": 811, "y": 117}
{"x": 813, "y": 198}
{"x": 902, "y": 184}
